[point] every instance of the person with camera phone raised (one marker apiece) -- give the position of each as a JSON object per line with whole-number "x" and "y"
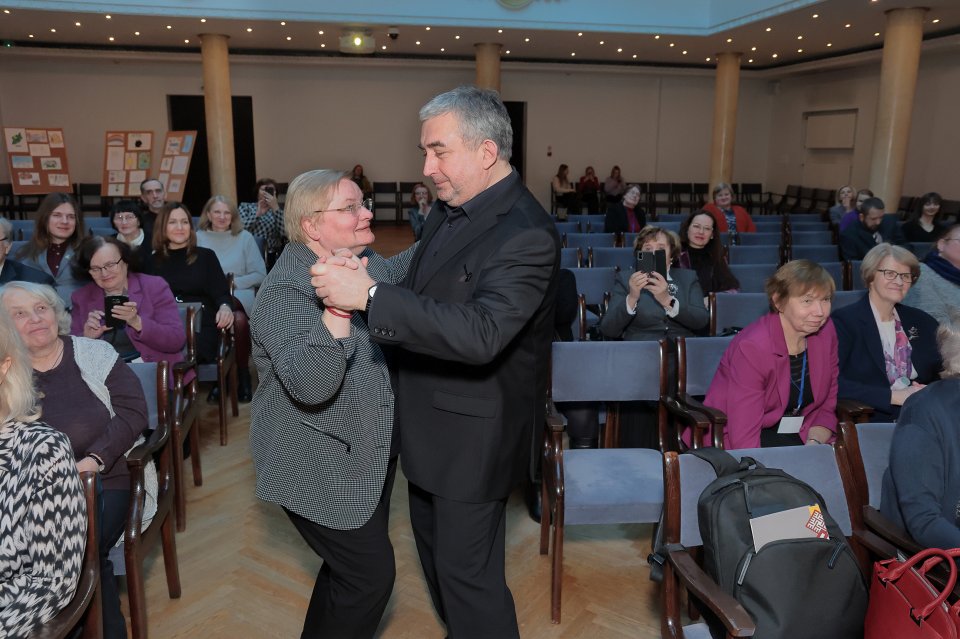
{"x": 264, "y": 218}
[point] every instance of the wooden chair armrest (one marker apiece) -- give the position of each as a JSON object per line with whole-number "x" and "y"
{"x": 877, "y": 546}
{"x": 888, "y": 531}
{"x": 143, "y": 454}
{"x": 554, "y": 423}
{"x": 735, "y": 619}
{"x": 694, "y": 405}
{"x": 853, "y": 411}
{"x": 698, "y": 422}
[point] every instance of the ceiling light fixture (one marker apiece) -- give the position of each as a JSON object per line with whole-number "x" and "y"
{"x": 249, "y": 29}
{"x": 53, "y": 30}
{"x": 935, "y": 20}
{"x": 7, "y": 11}
{"x": 289, "y": 38}
{"x": 508, "y": 51}
{"x": 186, "y": 41}
{"x": 799, "y": 37}
{"x": 684, "y": 52}
{"x": 729, "y": 40}
{"x": 656, "y": 37}
{"x": 708, "y": 59}
{"x": 110, "y": 38}
{"x": 672, "y": 44}
{"x": 580, "y": 34}
{"x": 426, "y": 28}
{"x": 816, "y": 15}
{"x": 799, "y": 50}
{"x": 203, "y": 19}
{"x": 775, "y": 55}
{"x": 601, "y": 42}
{"x": 634, "y": 56}
{"x": 847, "y": 26}
{"x": 877, "y": 34}
{"x": 320, "y": 32}
{"x": 136, "y": 33}
{"x": 418, "y": 43}
{"x": 769, "y": 29}
{"x": 499, "y": 30}
{"x": 169, "y": 26}
{"x": 573, "y": 55}
{"x": 442, "y": 49}
{"x": 753, "y": 48}
{"x": 750, "y": 60}
{"x": 829, "y": 44}
{"x": 108, "y": 16}
{"x": 619, "y": 50}
{"x": 77, "y": 23}
{"x": 456, "y": 37}
{"x": 357, "y": 42}
{"x": 526, "y": 39}
{"x": 383, "y": 47}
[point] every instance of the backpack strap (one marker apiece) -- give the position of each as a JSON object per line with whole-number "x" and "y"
{"x": 723, "y": 462}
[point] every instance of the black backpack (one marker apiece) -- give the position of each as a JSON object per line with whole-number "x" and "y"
{"x": 793, "y": 588}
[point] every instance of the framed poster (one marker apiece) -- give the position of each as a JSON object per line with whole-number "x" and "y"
{"x": 37, "y": 159}
{"x": 175, "y": 162}
{"x": 127, "y": 157}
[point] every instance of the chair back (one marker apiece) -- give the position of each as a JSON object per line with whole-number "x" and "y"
{"x": 697, "y": 361}
{"x": 571, "y": 258}
{"x": 817, "y": 253}
{"x": 803, "y": 237}
{"x": 564, "y": 228}
{"x": 146, "y": 372}
{"x": 98, "y": 222}
{"x": 728, "y": 310}
{"x": 855, "y": 278}
{"x": 764, "y": 254}
{"x": 815, "y": 465}
{"x": 760, "y": 239}
{"x": 595, "y": 283}
{"x": 920, "y": 249}
{"x": 835, "y": 269}
{"x": 621, "y": 258}
{"x": 608, "y": 371}
{"x": 766, "y": 225}
{"x": 753, "y": 277}
{"x": 586, "y": 240}
{"x": 86, "y": 605}
{"x": 868, "y": 448}
{"x": 845, "y": 298}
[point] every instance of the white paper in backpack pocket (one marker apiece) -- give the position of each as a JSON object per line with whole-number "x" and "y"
{"x": 796, "y": 523}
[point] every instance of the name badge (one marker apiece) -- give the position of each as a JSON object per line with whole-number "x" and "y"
{"x": 790, "y": 425}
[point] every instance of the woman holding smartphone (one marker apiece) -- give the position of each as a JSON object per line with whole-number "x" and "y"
{"x": 264, "y": 218}
{"x": 134, "y": 312}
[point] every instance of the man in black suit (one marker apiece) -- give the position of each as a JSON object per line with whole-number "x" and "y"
{"x": 871, "y": 229}
{"x": 15, "y": 271}
{"x": 472, "y": 324}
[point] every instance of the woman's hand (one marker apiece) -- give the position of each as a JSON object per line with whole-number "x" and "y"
{"x": 898, "y": 397}
{"x": 637, "y": 282}
{"x": 224, "y": 317}
{"x": 88, "y": 465}
{"x": 818, "y": 435}
{"x": 92, "y": 328}
{"x": 128, "y": 313}
{"x": 657, "y": 285}
{"x": 266, "y": 202}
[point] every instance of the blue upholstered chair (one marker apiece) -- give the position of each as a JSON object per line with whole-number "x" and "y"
{"x": 586, "y": 240}
{"x": 920, "y": 249}
{"x": 185, "y": 414}
{"x": 835, "y": 269}
{"x": 621, "y": 258}
{"x": 735, "y": 310}
{"x": 606, "y": 485}
{"x": 594, "y": 289}
{"x": 802, "y": 238}
{"x": 763, "y": 254}
{"x": 98, "y": 223}
{"x": 845, "y": 298}
{"x": 772, "y": 238}
{"x": 685, "y": 477}
{"x": 753, "y": 277}
{"x": 571, "y": 258}
{"x": 584, "y": 220}
{"x": 854, "y": 278}
{"x": 817, "y": 253}
{"x": 697, "y": 362}
{"x": 568, "y": 227}
{"x": 767, "y": 224}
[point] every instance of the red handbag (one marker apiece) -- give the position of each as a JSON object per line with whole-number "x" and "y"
{"x": 905, "y": 605}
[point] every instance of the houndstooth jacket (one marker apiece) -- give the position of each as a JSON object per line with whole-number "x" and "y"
{"x": 322, "y": 416}
{"x": 43, "y": 524}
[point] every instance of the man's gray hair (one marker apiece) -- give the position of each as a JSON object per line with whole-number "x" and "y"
{"x": 480, "y": 113}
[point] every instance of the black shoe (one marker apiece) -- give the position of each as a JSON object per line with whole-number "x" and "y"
{"x": 532, "y": 496}
{"x": 213, "y": 397}
{"x": 577, "y": 443}
{"x": 244, "y": 393}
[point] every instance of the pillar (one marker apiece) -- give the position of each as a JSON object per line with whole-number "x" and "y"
{"x": 488, "y": 65}
{"x": 219, "y": 114}
{"x": 726, "y": 94}
{"x": 898, "y": 83}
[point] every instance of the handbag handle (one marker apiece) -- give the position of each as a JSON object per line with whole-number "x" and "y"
{"x": 953, "y": 553}
{"x": 927, "y": 558}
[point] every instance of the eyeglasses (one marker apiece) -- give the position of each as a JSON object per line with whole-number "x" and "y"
{"x": 109, "y": 267}
{"x": 124, "y": 218}
{"x": 352, "y": 209}
{"x": 700, "y": 227}
{"x": 890, "y": 275}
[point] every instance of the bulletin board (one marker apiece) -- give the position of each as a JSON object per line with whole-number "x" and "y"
{"x": 175, "y": 162}
{"x": 37, "y": 159}
{"x": 127, "y": 156}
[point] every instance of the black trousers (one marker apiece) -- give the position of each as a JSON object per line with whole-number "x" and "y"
{"x": 114, "y": 504}
{"x": 356, "y": 579}
{"x": 462, "y": 548}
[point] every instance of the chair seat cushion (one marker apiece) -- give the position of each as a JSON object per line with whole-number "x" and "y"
{"x": 612, "y": 486}
{"x": 696, "y": 631}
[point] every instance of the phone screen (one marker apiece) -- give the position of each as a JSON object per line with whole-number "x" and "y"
{"x": 109, "y": 301}
{"x": 650, "y": 261}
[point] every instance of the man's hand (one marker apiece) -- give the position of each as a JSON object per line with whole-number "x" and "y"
{"x": 341, "y": 281}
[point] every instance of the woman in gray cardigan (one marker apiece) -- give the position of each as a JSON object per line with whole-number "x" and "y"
{"x": 321, "y": 428}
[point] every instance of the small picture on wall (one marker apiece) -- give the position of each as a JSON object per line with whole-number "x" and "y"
{"x": 140, "y": 141}
{"x": 16, "y": 140}
{"x": 55, "y": 139}
{"x": 166, "y": 163}
{"x": 40, "y": 150}
{"x": 21, "y": 161}
{"x": 187, "y": 144}
{"x": 134, "y": 189}
{"x": 143, "y": 160}
{"x": 25, "y": 178}
{"x": 130, "y": 161}
{"x": 36, "y": 136}
{"x": 116, "y": 190}
{"x": 174, "y": 186}
{"x": 58, "y": 179}
{"x": 116, "y": 177}
{"x": 138, "y": 177}
{"x": 50, "y": 164}
{"x": 115, "y": 139}
{"x": 173, "y": 146}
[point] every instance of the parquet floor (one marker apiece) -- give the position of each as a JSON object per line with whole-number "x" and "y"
{"x": 245, "y": 572}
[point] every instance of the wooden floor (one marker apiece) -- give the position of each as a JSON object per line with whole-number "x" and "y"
{"x": 246, "y": 573}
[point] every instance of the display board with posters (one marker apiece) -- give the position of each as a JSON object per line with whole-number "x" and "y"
{"x": 127, "y": 157}
{"x": 175, "y": 162}
{"x": 37, "y": 159}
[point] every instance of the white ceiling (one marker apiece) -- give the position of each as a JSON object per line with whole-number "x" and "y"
{"x": 804, "y": 33}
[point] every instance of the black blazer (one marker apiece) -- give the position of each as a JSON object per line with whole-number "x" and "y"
{"x": 15, "y": 271}
{"x": 863, "y": 374}
{"x": 856, "y": 240}
{"x": 474, "y": 332}
{"x": 616, "y": 219}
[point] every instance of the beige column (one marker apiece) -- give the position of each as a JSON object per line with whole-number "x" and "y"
{"x": 488, "y": 65}
{"x": 898, "y": 83}
{"x": 726, "y": 94}
{"x": 219, "y": 114}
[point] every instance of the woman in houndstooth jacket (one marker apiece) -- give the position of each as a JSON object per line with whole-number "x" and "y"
{"x": 322, "y": 417}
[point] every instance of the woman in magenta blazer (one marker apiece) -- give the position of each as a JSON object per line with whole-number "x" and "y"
{"x": 153, "y": 329}
{"x": 782, "y": 367}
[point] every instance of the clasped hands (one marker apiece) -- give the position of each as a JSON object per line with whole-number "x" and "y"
{"x": 653, "y": 282}
{"x": 93, "y": 328}
{"x": 341, "y": 280}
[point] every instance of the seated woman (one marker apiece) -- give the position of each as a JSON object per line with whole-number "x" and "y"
{"x": 777, "y": 381}
{"x": 564, "y": 192}
{"x": 625, "y": 216}
{"x": 89, "y": 394}
{"x": 361, "y": 181}
{"x": 194, "y": 275}
{"x": 922, "y": 484}
{"x": 237, "y": 251}
{"x": 264, "y": 218}
{"x": 937, "y": 290}
{"x": 924, "y": 225}
{"x": 846, "y": 202}
{"x": 727, "y": 216}
{"x": 127, "y": 218}
{"x": 39, "y": 485}
{"x": 420, "y": 203}
{"x": 589, "y": 189}
{"x": 147, "y": 326}
{"x": 58, "y": 233}
{"x": 701, "y": 251}
{"x": 887, "y": 350}
{"x": 614, "y": 186}
{"x": 648, "y": 306}
{"x": 850, "y": 217}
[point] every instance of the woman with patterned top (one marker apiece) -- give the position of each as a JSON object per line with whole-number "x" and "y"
{"x": 56, "y": 237}
{"x": 321, "y": 427}
{"x": 89, "y": 394}
{"x": 264, "y": 218}
{"x": 42, "y": 509}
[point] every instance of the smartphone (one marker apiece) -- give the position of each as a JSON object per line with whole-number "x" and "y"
{"x": 650, "y": 261}
{"x": 109, "y": 301}
{"x": 269, "y": 189}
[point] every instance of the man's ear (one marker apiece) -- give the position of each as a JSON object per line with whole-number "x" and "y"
{"x": 489, "y": 153}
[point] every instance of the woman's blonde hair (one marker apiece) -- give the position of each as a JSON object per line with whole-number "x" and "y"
{"x": 308, "y": 193}
{"x": 236, "y": 224}
{"x": 18, "y": 397}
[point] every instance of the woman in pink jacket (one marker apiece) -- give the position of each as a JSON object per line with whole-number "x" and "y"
{"x": 777, "y": 381}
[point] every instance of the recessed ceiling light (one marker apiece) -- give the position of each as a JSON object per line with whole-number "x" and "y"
{"x": 799, "y": 50}
{"x": 829, "y": 44}
{"x": 708, "y": 59}
{"x": 769, "y": 29}
{"x": 323, "y": 46}
{"x": 750, "y": 60}
{"x": 53, "y": 30}
{"x": 30, "y": 36}
{"x": 77, "y": 23}
{"x": 7, "y": 11}
{"x": 169, "y": 26}
{"x": 203, "y": 19}
{"x": 499, "y": 30}
{"x": 799, "y": 37}
{"x": 775, "y": 55}
{"x": 289, "y": 38}
{"x": 108, "y": 16}
{"x": 847, "y": 26}
{"x": 753, "y": 48}
{"x": 601, "y": 42}
{"x": 634, "y": 56}
{"x": 526, "y": 39}
{"x": 672, "y": 44}
{"x": 580, "y": 34}
{"x": 283, "y": 24}
{"x": 426, "y": 28}
{"x": 934, "y": 21}
{"x": 442, "y": 49}
{"x": 619, "y": 50}
{"x": 573, "y": 55}
{"x": 110, "y": 38}
{"x": 383, "y": 48}
{"x": 656, "y": 37}
{"x": 456, "y": 37}
{"x": 816, "y": 15}
{"x": 186, "y": 40}
{"x": 729, "y": 39}
{"x": 249, "y": 29}
{"x": 876, "y": 34}
{"x": 136, "y": 33}
{"x": 320, "y": 32}
{"x": 684, "y": 52}
{"x": 418, "y": 43}
{"x": 508, "y": 51}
